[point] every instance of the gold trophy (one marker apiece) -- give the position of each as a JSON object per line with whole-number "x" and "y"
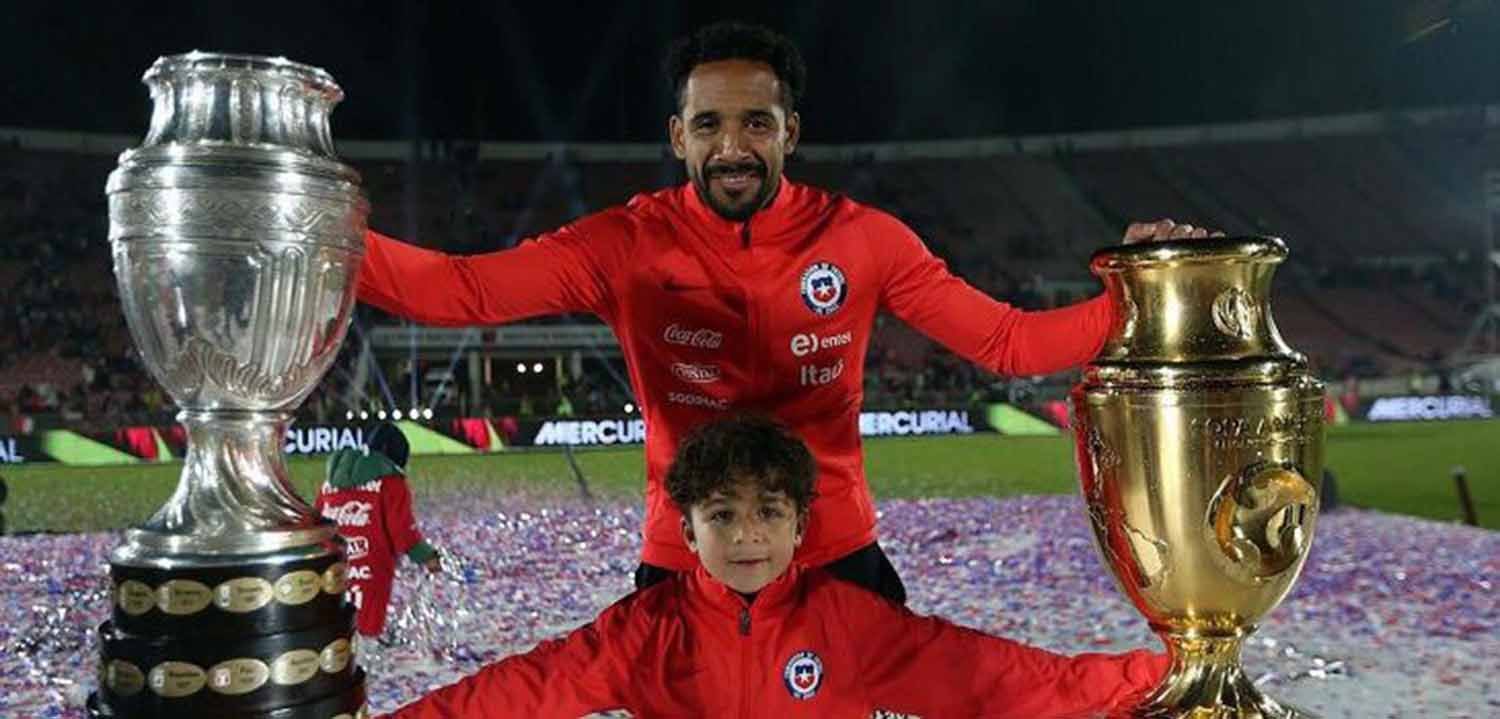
{"x": 1199, "y": 437}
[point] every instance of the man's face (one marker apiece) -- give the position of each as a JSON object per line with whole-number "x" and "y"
{"x": 734, "y": 135}
{"x": 745, "y": 538}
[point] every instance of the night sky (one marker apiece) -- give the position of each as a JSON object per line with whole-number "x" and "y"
{"x": 559, "y": 71}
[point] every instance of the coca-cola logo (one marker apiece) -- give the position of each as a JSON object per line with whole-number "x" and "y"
{"x": 349, "y": 514}
{"x": 696, "y": 373}
{"x": 700, "y": 338}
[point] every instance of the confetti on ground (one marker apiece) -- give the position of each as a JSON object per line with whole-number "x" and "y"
{"x": 1393, "y": 616}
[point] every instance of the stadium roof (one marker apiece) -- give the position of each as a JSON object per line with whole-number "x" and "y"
{"x": 883, "y": 71}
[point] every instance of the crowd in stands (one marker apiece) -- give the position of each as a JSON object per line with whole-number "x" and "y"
{"x": 64, "y": 348}
{"x": 1388, "y": 284}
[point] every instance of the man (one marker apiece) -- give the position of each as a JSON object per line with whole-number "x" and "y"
{"x": 744, "y": 291}
{"x": 752, "y": 634}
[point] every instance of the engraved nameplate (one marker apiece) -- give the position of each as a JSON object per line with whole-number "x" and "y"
{"x": 298, "y": 587}
{"x": 183, "y": 596}
{"x": 245, "y": 594}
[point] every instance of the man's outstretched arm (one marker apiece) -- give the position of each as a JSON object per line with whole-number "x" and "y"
{"x": 562, "y": 271}
{"x": 919, "y": 289}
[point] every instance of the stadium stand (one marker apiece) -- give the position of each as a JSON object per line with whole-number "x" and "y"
{"x": 1383, "y": 226}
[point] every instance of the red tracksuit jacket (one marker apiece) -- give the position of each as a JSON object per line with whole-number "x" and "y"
{"x": 809, "y": 645}
{"x": 771, "y": 315}
{"x": 376, "y": 522}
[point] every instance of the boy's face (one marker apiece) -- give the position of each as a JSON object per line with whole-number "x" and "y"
{"x": 745, "y": 537}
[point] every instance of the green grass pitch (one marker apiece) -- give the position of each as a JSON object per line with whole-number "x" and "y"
{"x": 1399, "y": 468}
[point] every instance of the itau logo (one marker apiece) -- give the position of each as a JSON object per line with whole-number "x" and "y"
{"x": 824, "y": 288}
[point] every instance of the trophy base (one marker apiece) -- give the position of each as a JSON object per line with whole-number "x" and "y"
{"x": 349, "y": 704}
{"x": 1207, "y": 682}
{"x": 1257, "y": 707}
{"x": 267, "y": 636}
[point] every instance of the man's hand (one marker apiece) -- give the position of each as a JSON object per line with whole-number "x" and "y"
{"x": 1165, "y": 230}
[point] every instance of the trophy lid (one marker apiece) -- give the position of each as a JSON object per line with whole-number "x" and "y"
{"x": 239, "y": 112}
{"x": 1171, "y": 253}
{"x": 199, "y": 62}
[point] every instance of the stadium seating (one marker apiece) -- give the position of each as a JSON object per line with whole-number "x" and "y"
{"x": 1383, "y": 230}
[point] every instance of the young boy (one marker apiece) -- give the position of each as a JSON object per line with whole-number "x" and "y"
{"x": 749, "y": 634}
{"x": 366, "y": 495}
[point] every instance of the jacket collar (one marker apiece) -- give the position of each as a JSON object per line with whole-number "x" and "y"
{"x": 791, "y": 207}
{"x": 771, "y": 598}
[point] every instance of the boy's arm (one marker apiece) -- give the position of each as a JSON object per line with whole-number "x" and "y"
{"x": 573, "y": 676}
{"x": 932, "y": 667}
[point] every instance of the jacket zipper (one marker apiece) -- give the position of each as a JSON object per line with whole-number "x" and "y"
{"x": 752, "y": 364}
{"x": 745, "y": 653}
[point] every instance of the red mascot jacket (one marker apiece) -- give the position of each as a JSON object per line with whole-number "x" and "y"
{"x": 367, "y": 497}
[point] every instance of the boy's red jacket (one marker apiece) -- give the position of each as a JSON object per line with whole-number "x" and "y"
{"x": 809, "y": 645}
{"x": 772, "y": 315}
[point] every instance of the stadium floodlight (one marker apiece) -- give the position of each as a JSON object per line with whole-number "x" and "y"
{"x": 537, "y": 368}
{"x": 364, "y": 415}
{"x": 349, "y": 414}
{"x": 414, "y": 413}
{"x": 396, "y": 414}
{"x": 380, "y": 414}
{"x": 629, "y": 408}
{"x": 427, "y": 413}
{"x": 521, "y": 367}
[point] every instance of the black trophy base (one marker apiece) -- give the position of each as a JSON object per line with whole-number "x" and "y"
{"x": 237, "y": 636}
{"x": 347, "y": 704}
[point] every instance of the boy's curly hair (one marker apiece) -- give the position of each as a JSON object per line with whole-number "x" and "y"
{"x": 717, "y": 455}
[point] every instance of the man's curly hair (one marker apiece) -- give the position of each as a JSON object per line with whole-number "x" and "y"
{"x": 717, "y": 455}
{"x": 738, "y": 41}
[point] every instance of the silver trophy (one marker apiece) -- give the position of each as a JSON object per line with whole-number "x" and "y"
{"x": 237, "y": 236}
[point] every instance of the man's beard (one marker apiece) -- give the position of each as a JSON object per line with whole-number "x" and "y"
{"x": 741, "y": 209}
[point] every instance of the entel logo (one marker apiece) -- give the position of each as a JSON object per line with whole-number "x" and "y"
{"x": 809, "y": 342}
